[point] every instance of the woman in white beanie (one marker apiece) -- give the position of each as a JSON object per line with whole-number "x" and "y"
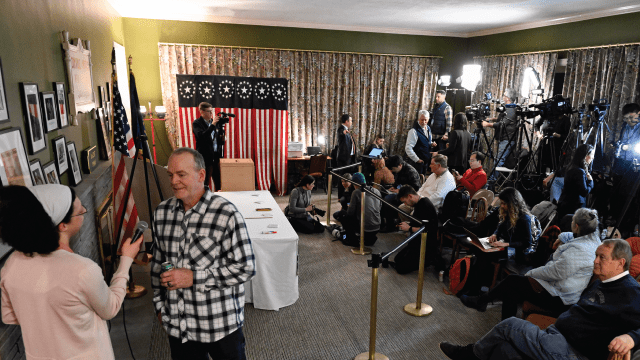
{"x": 59, "y": 299}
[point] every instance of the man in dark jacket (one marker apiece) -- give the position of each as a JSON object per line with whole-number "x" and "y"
{"x": 404, "y": 174}
{"x": 505, "y": 127}
{"x": 345, "y": 145}
{"x": 209, "y": 141}
{"x": 353, "y": 219}
{"x": 591, "y": 328}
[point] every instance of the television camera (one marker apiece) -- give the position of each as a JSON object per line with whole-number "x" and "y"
{"x": 478, "y": 112}
{"x": 224, "y": 117}
{"x": 553, "y": 107}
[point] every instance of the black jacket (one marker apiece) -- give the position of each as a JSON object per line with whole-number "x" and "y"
{"x": 204, "y": 143}
{"x": 458, "y": 151}
{"x": 345, "y": 144}
{"x": 407, "y": 176}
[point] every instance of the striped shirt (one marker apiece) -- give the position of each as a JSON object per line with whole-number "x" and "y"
{"x": 211, "y": 239}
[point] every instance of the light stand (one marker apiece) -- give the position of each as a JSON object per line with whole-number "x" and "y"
{"x": 627, "y": 202}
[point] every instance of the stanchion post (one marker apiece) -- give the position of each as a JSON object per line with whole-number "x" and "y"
{"x": 418, "y": 308}
{"x": 329, "y": 186}
{"x": 362, "y": 250}
{"x": 372, "y": 355}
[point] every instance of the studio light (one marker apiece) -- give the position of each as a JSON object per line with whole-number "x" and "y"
{"x": 471, "y": 76}
{"x": 531, "y": 79}
{"x": 445, "y": 80}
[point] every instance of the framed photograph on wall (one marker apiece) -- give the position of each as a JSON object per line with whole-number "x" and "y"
{"x": 74, "y": 164}
{"x": 50, "y": 115}
{"x": 50, "y": 174}
{"x": 33, "y": 117}
{"x": 36, "y": 172}
{"x": 14, "y": 167}
{"x": 104, "y": 145}
{"x": 60, "y": 154}
{"x": 61, "y": 101}
{"x": 77, "y": 57}
{"x": 4, "y": 108}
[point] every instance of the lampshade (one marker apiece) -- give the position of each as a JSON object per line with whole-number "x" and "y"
{"x": 160, "y": 111}
{"x": 143, "y": 109}
{"x": 321, "y": 140}
{"x": 471, "y": 76}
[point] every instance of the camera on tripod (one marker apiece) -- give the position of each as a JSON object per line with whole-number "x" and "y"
{"x": 555, "y": 106}
{"x": 599, "y": 105}
{"x": 224, "y": 117}
{"x": 477, "y": 112}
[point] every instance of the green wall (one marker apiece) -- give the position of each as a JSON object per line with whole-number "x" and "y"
{"x": 618, "y": 29}
{"x": 31, "y": 52}
{"x": 142, "y": 37}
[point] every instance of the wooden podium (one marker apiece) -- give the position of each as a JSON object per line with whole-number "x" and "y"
{"x": 237, "y": 175}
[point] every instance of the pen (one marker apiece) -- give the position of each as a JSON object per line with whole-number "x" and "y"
{"x": 269, "y": 232}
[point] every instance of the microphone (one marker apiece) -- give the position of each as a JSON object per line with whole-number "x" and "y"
{"x": 142, "y": 226}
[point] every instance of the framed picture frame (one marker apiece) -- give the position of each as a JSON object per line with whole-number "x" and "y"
{"x": 102, "y": 95}
{"x": 82, "y": 97}
{"x": 74, "y": 164}
{"x": 33, "y": 117}
{"x": 61, "y": 101}
{"x": 104, "y": 145}
{"x": 49, "y": 113}
{"x": 60, "y": 154}
{"x": 4, "y": 106}
{"x": 36, "y": 172}
{"x": 14, "y": 168}
{"x": 50, "y": 173}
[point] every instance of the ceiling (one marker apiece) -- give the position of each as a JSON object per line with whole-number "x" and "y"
{"x": 418, "y": 17}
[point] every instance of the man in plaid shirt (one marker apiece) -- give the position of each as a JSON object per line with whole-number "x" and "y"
{"x": 201, "y": 302}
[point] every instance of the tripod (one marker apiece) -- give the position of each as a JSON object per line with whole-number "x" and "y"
{"x": 476, "y": 146}
{"x": 598, "y": 136}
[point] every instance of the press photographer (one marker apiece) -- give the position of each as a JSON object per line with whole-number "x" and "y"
{"x": 505, "y": 125}
{"x": 622, "y": 171}
{"x": 209, "y": 133}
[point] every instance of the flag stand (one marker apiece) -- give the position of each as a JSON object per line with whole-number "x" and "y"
{"x": 141, "y": 143}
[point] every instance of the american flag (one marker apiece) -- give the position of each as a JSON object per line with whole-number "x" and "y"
{"x": 124, "y": 146}
{"x": 260, "y": 130}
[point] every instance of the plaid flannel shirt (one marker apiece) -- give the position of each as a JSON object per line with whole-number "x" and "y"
{"x": 210, "y": 239}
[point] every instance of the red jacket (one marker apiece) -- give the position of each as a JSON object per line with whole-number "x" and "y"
{"x": 473, "y": 180}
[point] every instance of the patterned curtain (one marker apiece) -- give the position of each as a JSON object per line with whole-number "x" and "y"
{"x": 603, "y": 73}
{"x": 383, "y": 93}
{"x": 502, "y": 72}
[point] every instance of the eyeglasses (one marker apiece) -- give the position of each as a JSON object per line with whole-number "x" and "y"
{"x": 82, "y": 213}
{"x": 472, "y": 160}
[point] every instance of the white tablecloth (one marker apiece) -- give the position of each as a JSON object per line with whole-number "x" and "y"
{"x": 276, "y": 282}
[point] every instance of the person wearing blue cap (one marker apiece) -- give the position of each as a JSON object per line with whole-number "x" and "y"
{"x": 372, "y": 218}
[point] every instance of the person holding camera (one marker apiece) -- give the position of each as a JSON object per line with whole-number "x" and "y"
{"x": 300, "y": 209}
{"x": 372, "y": 219}
{"x": 209, "y": 140}
{"x": 506, "y": 124}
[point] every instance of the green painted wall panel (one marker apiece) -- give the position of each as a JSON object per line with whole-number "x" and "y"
{"x": 31, "y": 52}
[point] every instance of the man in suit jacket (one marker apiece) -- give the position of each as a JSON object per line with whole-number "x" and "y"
{"x": 346, "y": 147}
{"x": 209, "y": 140}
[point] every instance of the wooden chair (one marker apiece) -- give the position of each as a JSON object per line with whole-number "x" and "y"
{"x": 318, "y": 169}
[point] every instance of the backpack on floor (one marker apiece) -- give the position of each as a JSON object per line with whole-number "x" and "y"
{"x": 459, "y": 274}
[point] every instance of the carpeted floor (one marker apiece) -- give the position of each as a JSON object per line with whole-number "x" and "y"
{"x": 330, "y": 320}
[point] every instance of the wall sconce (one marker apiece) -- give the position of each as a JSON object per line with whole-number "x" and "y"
{"x": 143, "y": 111}
{"x": 161, "y": 111}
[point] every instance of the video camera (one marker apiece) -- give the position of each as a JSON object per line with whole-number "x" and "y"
{"x": 317, "y": 211}
{"x": 552, "y": 107}
{"x": 599, "y": 106}
{"x": 478, "y": 112}
{"x": 224, "y": 117}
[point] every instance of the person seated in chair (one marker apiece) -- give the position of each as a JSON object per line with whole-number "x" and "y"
{"x": 558, "y": 284}
{"x": 367, "y": 164}
{"x": 577, "y": 182}
{"x": 605, "y": 319}
{"x": 352, "y": 221}
{"x": 345, "y": 198}
{"x": 475, "y": 178}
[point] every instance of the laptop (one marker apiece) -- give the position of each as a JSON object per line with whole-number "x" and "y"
{"x": 374, "y": 154}
{"x": 313, "y": 150}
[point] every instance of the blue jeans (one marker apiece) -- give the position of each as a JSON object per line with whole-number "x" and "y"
{"x": 515, "y": 338}
{"x": 556, "y": 188}
{"x": 505, "y": 147}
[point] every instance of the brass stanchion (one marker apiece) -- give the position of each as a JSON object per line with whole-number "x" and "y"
{"x": 362, "y": 250}
{"x": 330, "y": 186}
{"x": 418, "y": 308}
{"x": 372, "y": 354}
{"x": 360, "y": 168}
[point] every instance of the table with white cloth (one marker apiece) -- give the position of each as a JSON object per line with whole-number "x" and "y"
{"x": 276, "y": 282}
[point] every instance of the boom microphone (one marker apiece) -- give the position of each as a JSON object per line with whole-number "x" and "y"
{"x": 142, "y": 226}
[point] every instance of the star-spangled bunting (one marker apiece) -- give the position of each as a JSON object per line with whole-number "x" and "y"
{"x": 124, "y": 146}
{"x": 260, "y": 130}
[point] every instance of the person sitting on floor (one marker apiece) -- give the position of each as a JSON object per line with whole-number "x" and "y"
{"x": 475, "y": 178}
{"x": 558, "y": 284}
{"x": 408, "y": 259}
{"x": 345, "y": 198}
{"x": 352, "y": 221}
{"x": 300, "y": 207}
{"x": 590, "y": 329}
